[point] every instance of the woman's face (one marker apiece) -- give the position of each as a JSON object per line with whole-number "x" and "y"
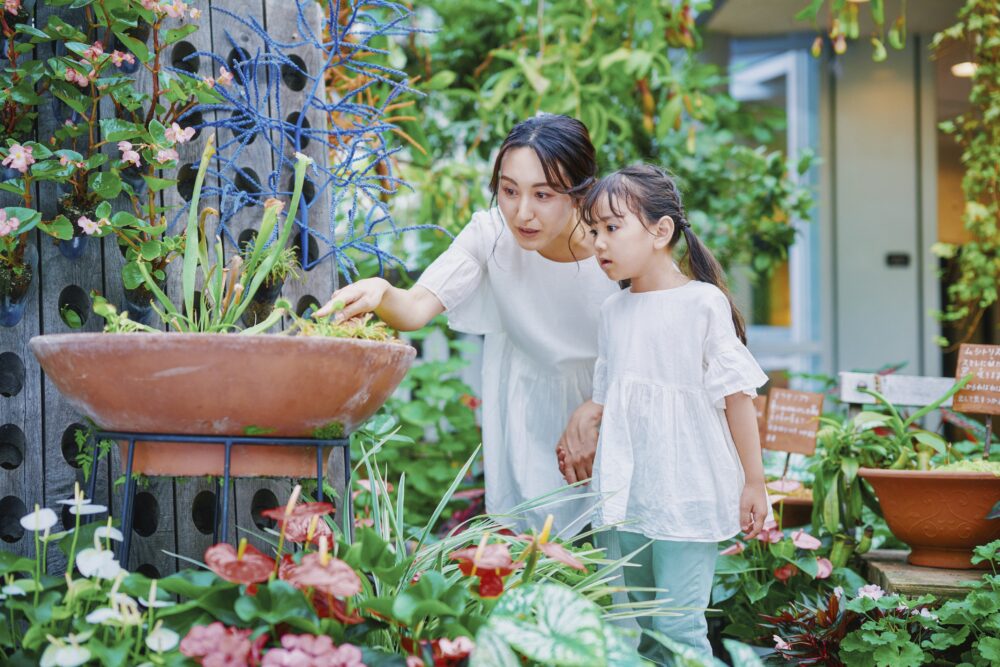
{"x": 539, "y": 217}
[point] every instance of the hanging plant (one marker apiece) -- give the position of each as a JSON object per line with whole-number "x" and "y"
{"x": 844, "y": 23}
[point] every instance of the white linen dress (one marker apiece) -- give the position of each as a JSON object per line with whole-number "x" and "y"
{"x": 539, "y": 319}
{"x": 666, "y": 464}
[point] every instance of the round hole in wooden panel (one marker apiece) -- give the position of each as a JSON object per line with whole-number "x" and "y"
{"x": 70, "y": 450}
{"x": 12, "y": 444}
{"x": 74, "y": 306}
{"x": 186, "y": 176}
{"x": 233, "y": 61}
{"x": 248, "y": 181}
{"x": 145, "y": 514}
{"x": 245, "y": 238}
{"x": 203, "y": 512}
{"x": 148, "y": 570}
{"x": 291, "y": 129}
{"x": 11, "y": 374}
{"x": 294, "y": 73}
{"x": 185, "y": 57}
{"x": 11, "y": 510}
{"x": 306, "y": 305}
{"x": 263, "y": 499}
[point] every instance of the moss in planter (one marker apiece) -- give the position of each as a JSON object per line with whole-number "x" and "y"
{"x": 14, "y": 281}
{"x": 971, "y": 466}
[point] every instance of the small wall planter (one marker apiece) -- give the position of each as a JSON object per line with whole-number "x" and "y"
{"x": 219, "y": 384}
{"x": 940, "y": 515}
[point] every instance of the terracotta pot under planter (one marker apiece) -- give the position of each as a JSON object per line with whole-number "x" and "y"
{"x": 222, "y": 384}
{"x": 940, "y": 515}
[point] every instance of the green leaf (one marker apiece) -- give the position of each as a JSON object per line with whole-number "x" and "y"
{"x": 60, "y": 228}
{"x": 831, "y": 505}
{"x": 131, "y": 275}
{"x": 150, "y": 250}
{"x": 989, "y": 648}
{"x": 135, "y": 46}
{"x": 114, "y": 129}
{"x": 156, "y": 184}
{"x": 441, "y": 80}
{"x": 177, "y": 34}
{"x": 499, "y": 91}
{"x": 106, "y": 184}
{"x": 492, "y": 650}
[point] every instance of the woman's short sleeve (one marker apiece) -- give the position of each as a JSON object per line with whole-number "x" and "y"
{"x": 729, "y": 366}
{"x": 458, "y": 277}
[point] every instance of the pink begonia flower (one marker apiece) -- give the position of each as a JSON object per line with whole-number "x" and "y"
{"x": 165, "y": 155}
{"x": 780, "y": 644}
{"x": 94, "y": 51}
{"x": 770, "y": 532}
{"x": 195, "y": 13}
{"x": 179, "y": 135}
{"x": 88, "y": 226}
{"x": 128, "y": 153}
{"x": 225, "y": 76}
{"x": 784, "y": 485}
{"x": 117, "y": 57}
{"x": 76, "y": 77}
{"x": 151, "y": 5}
{"x": 804, "y": 540}
{"x": 873, "y": 591}
{"x": 175, "y": 10}
{"x": 7, "y": 225}
{"x": 824, "y": 568}
{"x": 735, "y": 548}
{"x": 12, "y": 6}
{"x": 104, "y": 222}
{"x": 19, "y": 157}
{"x": 63, "y": 160}
{"x": 209, "y": 81}
{"x": 414, "y": 661}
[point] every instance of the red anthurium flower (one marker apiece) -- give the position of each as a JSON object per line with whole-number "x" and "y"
{"x": 245, "y": 565}
{"x": 327, "y": 606}
{"x": 307, "y": 529}
{"x": 324, "y": 573}
{"x": 300, "y": 511}
{"x": 451, "y": 652}
{"x": 785, "y": 572}
{"x": 558, "y": 552}
{"x": 490, "y": 562}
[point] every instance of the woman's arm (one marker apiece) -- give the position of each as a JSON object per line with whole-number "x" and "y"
{"x": 742, "y": 418}
{"x": 403, "y": 310}
{"x": 578, "y": 444}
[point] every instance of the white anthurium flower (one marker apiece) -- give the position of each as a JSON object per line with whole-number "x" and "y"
{"x": 99, "y": 563}
{"x": 156, "y": 604}
{"x": 162, "y": 639}
{"x": 12, "y": 590}
{"x": 65, "y": 656}
{"x": 103, "y": 615}
{"x": 74, "y": 501}
{"x": 120, "y": 599}
{"x": 39, "y": 520}
{"x": 83, "y": 510}
{"x": 111, "y": 532}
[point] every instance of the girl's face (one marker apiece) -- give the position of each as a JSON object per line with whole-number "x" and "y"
{"x": 539, "y": 217}
{"x": 625, "y": 248}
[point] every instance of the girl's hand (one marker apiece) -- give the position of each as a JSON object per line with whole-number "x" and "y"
{"x": 753, "y": 509}
{"x": 578, "y": 444}
{"x": 358, "y": 298}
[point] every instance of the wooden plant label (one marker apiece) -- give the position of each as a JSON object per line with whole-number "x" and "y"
{"x": 760, "y": 403}
{"x": 982, "y": 394}
{"x": 793, "y": 420}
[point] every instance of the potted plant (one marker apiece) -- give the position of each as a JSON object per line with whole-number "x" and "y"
{"x": 208, "y": 379}
{"x": 931, "y": 498}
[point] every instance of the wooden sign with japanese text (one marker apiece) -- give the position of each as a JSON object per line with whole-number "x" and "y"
{"x": 982, "y": 394}
{"x": 792, "y": 420}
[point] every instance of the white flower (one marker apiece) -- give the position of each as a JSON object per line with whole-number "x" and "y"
{"x": 64, "y": 656}
{"x": 122, "y": 599}
{"x": 73, "y": 501}
{"x": 99, "y": 563}
{"x": 103, "y": 615}
{"x": 162, "y": 639}
{"x": 873, "y": 591}
{"x": 302, "y": 157}
{"x": 925, "y": 613}
{"x": 39, "y": 520}
{"x": 156, "y": 604}
{"x": 839, "y": 592}
{"x": 109, "y": 532}
{"x": 87, "y": 509}
{"x": 12, "y": 590}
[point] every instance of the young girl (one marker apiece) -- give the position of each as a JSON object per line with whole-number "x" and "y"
{"x": 524, "y": 275}
{"x": 678, "y": 461}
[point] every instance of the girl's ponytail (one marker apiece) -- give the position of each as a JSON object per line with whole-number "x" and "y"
{"x": 651, "y": 194}
{"x": 706, "y": 268}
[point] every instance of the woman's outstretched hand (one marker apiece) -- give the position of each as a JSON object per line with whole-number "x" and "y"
{"x": 357, "y": 298}
{"x": 753, "y": 509}
{"x": 578, "y": 444}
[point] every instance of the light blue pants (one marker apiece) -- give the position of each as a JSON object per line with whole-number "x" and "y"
{"x": 685, "y": 570}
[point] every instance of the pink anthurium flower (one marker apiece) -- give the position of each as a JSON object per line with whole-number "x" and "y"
{"x": 804, "y": 540}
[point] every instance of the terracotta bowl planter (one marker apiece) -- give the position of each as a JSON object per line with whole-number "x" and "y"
{"x": 940, "y": 515}
{"x": 214, "y": 384}
{"x": 795, "y": 512}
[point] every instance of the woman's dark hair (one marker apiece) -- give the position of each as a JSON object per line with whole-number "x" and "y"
{"x": 563, "y": 146}
{"x": 650, "y": 193}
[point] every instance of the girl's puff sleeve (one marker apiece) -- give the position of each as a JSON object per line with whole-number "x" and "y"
{"x": 729, "y": 366}
{"x": 458, "y": 277}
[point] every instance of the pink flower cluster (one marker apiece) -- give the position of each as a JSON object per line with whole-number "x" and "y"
{"x": 175, "y": 9}
{"x": 12, "y": 6}
{"x": 19, "y": 157}
{"x": 91, "y": 227}
{"x": 312, "y": 651}
{"x": 129, "y": 154}
{"x": 7, "y": 225}
{"x": 216, "y": 645}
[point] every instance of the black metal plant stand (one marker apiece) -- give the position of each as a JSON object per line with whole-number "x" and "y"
{"x": 228, "y": 441}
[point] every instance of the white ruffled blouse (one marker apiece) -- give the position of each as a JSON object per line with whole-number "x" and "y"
{"x": 539, "y": 319}
{"x": 666, "y": 463}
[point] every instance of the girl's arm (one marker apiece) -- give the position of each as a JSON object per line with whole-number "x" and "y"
{"x": 742, "y": 418}
{"x": 403, "y": 310}
{"x": 578, "y": 444}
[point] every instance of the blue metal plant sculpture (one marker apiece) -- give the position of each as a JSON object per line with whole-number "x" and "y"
{"x": 358, "y": 173}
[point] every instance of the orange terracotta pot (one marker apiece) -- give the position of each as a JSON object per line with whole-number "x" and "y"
{"x": 795, "y": 512}
{"x": 940, "y": 515}
{"x": 222, "y": 384}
